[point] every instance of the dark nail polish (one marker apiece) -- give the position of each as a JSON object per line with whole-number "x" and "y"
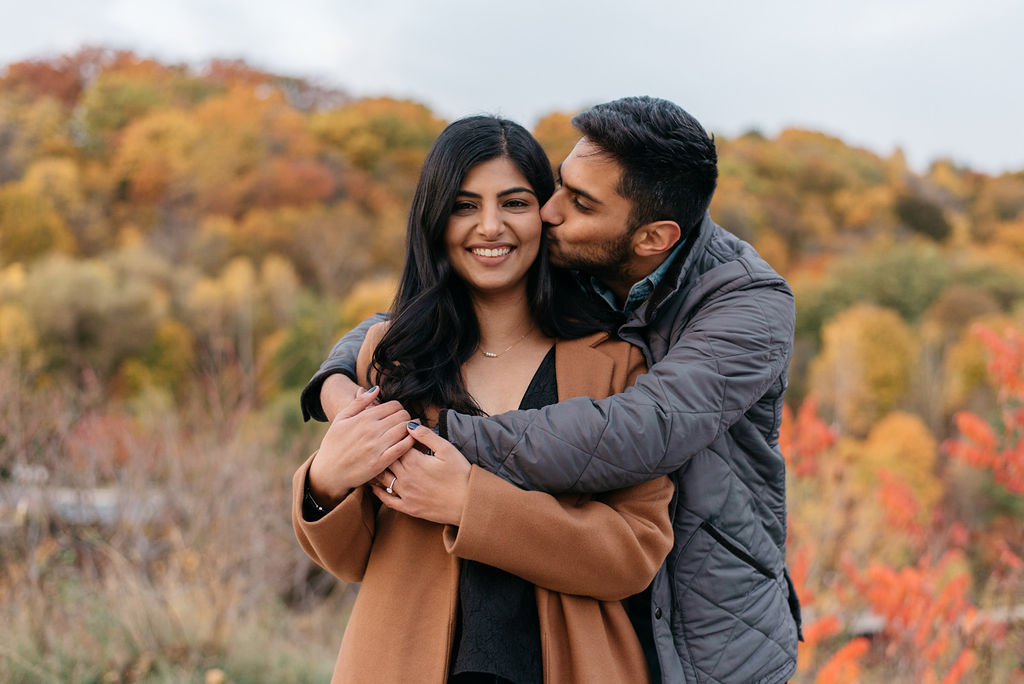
{"x": 412, "y": 425}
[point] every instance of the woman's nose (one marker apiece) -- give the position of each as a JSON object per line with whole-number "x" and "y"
{"x": 490, "y": 222}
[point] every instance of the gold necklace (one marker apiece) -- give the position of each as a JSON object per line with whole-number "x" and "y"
{"x": 494, "y": 355}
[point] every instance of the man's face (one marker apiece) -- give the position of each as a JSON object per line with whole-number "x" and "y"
{"x": 588, "y": 218}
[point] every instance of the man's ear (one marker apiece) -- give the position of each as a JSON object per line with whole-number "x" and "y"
{"x": 657, "y": 237}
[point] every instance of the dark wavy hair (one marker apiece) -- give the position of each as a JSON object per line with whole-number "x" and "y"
{"x": 669, "y": 162}
{"x": 433, "y": 328}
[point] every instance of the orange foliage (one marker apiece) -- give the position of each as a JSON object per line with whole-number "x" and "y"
{"x": 844, "y": 666}
{"x": 823, "y": 628}
{"x": 963, "y": 663}
{"x": 901, "y": 509}
{"x": 804, "y": 438}
{"x": 1006, "y": 360}
{"x": 978, "y": 444}
{"x": 798, "y": 570}
{"x": 35, "y": 78}
{"x": 925, "y": 609}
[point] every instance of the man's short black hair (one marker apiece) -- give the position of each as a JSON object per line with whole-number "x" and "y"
{"x": 669, "y": 162}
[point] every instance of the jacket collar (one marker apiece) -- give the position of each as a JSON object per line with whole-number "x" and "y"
{"x": 679, "y": 272}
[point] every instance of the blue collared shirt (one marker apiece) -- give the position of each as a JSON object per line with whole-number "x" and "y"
{"x": 642, "y": 289}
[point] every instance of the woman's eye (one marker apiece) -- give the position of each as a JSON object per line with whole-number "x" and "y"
{"x": 463, "y": 207}
{"x": 516, "y": 204}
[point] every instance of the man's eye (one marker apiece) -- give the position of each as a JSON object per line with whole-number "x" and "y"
{"x": 579, "y": 205}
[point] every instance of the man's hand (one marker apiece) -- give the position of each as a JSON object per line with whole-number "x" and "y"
{"x": 362, "y": 441}
{"x": 431, "y": 487}
{"x": 337, "y": 392}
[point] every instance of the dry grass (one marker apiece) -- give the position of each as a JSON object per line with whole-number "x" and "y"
{"x": 189, "y": 571}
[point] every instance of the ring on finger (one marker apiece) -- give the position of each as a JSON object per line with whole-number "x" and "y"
{"x": 390, "y": 488}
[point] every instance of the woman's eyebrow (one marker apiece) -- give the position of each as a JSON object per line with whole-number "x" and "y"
{"x": 512, "y": 191}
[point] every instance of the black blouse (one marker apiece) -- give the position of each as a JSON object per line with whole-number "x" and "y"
{"x": 497, "y": 633}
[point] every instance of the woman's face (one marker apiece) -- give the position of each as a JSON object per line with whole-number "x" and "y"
{"x": 494, "y": 229}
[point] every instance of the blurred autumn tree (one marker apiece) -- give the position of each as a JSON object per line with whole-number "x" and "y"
{"x": 180, "y": 246}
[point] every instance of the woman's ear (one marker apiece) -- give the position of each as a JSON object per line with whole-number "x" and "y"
{"x": 657, "y": 237}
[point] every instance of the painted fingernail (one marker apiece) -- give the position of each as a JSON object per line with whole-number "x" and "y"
{"x": 412, "y": 425}
{"x": 372, "y": 389}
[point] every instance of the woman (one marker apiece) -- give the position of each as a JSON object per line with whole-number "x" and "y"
{"x": 464, "y": 576}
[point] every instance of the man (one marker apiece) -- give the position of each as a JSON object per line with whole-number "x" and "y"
{"x": 716, "y": 325}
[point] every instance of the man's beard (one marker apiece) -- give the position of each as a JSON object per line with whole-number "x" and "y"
{"x": 606, "y": 260}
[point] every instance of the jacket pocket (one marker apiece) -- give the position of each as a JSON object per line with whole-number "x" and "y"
{"x": 736, "y": 550}
{"x": 728, "y": 598}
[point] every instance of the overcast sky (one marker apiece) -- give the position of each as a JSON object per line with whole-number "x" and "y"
{"x": 938, "y": 78}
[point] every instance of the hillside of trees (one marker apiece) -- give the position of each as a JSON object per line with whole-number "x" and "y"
{"x": 180, "y": 246}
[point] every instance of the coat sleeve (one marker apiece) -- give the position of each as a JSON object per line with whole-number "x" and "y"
{"x": 720, "y": 363}
{"x": 339, "y": 542}
{"x": 608, "y": 547}
{"x": 342, "y": 359}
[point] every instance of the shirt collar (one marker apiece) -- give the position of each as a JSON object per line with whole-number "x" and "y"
{"x": 642, "y": 289}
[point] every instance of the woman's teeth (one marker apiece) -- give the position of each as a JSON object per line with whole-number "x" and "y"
{"x": 488, "y": 252}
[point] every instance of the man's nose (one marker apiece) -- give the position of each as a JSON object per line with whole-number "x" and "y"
{"x": 550, "y": 213}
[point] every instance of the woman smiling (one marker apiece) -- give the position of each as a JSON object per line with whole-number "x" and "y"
{"x": 465, "y": 577}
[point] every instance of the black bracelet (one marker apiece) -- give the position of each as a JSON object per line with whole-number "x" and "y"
{"x": 311, "y": 508}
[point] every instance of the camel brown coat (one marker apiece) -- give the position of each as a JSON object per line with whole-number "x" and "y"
{"x": 583, "y": 554}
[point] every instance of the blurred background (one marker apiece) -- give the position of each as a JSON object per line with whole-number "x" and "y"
{"x": 197, "y": 199}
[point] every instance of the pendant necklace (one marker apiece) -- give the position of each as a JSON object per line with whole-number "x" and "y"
{"x": 494, "y": 355}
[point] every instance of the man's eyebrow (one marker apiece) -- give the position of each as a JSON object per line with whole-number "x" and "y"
{"x": 573, "y": 189}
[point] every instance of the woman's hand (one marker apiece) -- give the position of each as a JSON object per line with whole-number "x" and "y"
{"x": 433, "y": 486}
{"x": 362, "y": 441}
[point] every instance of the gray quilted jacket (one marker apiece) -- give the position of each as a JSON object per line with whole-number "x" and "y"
{"x": 718, "y": 335}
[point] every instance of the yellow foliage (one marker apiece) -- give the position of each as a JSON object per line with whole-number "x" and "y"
{"x": 773, "y": 249}
{"x": 861, "y": 208}
{"x": 944, "y": 174}
{"x": 965, "y": 365}
{"x": 903, "y": 445}
{"x": 17, "y": 334}
{"x": 30, "y": 225}
{"x": 1009, "y": 236}
{"x": 165, "y": 364}
{"x": 239, "y": 281}
{"x": 154, "y": 157}
{"x": 864, "y": 368}
{"x": 368, "y": 131}
{"x": 279, "y": 285}
{"x": 12, "y": 280}
{"x": 556, "y": 135}
{"x": 58, "y": 179}
{"x": 367, "y": 298}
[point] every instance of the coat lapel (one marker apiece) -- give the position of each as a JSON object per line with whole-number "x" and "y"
{"x": 581, "y": 369}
